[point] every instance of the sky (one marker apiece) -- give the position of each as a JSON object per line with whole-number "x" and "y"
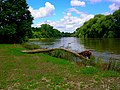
{"x": 68, "y": 15}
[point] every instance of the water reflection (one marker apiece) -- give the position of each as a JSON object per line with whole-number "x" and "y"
{"x": 66, "y": 42}
{"x": 105, "y": 48}
{"x": 102, "y": 45}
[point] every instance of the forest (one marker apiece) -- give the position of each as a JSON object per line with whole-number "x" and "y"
{"x": 101, "y": 26}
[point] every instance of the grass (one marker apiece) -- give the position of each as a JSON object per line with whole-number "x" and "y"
{"x": 20, "y": 71}
{"x": 89, "y": 70}
{"x": 30, "y": 46}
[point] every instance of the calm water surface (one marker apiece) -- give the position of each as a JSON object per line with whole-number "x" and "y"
{"x": 104, "y": 48}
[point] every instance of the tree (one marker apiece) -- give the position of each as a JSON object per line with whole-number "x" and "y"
{"x": 15, "y": 21}
{"x": 116, "y": 16}
{"x": 45, "y": 31}
{"x": 101, "y": 26}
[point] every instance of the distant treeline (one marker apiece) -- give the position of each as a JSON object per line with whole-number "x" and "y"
{"x": 47, "y": 31}
{"x": 101, "y": 26}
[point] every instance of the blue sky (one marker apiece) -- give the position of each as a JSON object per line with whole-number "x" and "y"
{"x": 68, "y": 15}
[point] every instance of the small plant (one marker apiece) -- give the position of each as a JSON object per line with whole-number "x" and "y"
{"x": 57, "y": 53}
{"x": 30, "y": 46}
{"x": 110, "y": 74}
{"x": 99, "y": 63}
{"x": 92, "y": 61}
{"x": 89, "y": 70}
{"x": 113, "y": 64}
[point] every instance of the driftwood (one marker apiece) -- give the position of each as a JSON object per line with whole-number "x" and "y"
{"x": 48, "y": 50}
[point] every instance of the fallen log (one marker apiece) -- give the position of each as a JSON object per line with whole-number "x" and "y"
{"x": 49, "y": 50}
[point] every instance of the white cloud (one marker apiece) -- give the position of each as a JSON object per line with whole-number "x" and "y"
{"x": 114, "y": 7}
{"x": 46, "y": 11}
{"x": 77, "y": 3}
{"x": 74, "y": 10}
{"x": 115, "y": 1}
{"x": 94, "y": 1}
{"x": 68, "y": 23}
{"x": 106, "y": 13}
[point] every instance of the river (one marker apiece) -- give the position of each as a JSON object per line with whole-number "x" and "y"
{"x": 101, "y": 48}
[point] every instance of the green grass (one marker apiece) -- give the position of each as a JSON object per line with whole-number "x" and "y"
{"x": 30, "y": 46}
{"x": 89, "y": 70}
{"x": 110, "y": 74}
{"x": 20, "y": 71}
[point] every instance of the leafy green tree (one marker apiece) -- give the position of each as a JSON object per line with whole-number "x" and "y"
{"x": 45, "y": 31}
{"x": 116, "y": 16}
{"x": 101, "y": 26}
{"x": 15, "y": 21}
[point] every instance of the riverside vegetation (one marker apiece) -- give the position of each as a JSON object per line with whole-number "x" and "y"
{"x": 43, "y": 72}
{"x": 101, "y": 26}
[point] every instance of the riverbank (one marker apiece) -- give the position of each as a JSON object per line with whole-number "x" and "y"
{"x": 43, "y": 72}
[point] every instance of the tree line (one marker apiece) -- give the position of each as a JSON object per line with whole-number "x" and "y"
{"x": 16, "y": 21}
{"x": 48, "y": 31}
{"x": 101, "y": 26}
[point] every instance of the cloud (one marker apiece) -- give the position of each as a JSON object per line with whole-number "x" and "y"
{"x": 114, "y": 7}
{"x": 106, "y": 13}
{"x": 77, "y": 3}
{"x": 94, "y": 1}
{"x": 115, "y": 1}
{"x": 74, "y": 10}
{"x": 46, "y": 11}
{"x": 68, "y": 23}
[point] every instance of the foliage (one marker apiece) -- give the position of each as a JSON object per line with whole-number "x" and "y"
{"x": 30, "y": 46}
{"x": 110, "y": 74}
{"x": 89, "y": 70}
{"x": 62, "y": 54}
{"x": 111, "y": 64}
{"x": 101, "y": 26}
{"x": 42, "y": 72}
{"x": 66, "y": 34}
{"x": 15, "y": 21}
{"x": 45, "y": 31}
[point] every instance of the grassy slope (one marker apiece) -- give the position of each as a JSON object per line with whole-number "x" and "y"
{"x": 43, "y": 72}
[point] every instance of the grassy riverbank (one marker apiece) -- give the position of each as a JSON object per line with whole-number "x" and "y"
{"x": 43, "y": 72}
